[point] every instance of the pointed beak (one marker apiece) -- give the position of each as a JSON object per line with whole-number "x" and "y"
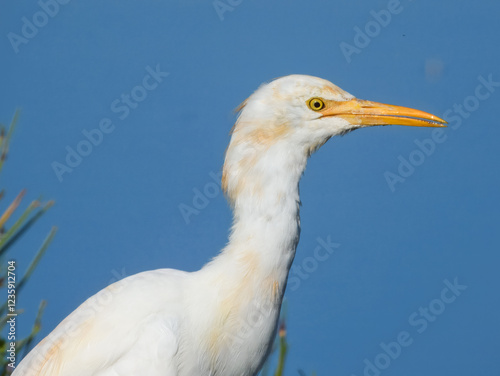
{"x": 366, "y": 113}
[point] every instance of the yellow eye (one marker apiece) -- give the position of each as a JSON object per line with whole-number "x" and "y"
{"x": 316, "y": 104}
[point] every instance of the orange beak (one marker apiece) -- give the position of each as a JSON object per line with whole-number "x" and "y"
{"x": 358, "y": 111}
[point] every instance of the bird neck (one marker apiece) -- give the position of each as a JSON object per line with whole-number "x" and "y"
{"x": 249, "y": 276}
{"x": 263, "y": 188}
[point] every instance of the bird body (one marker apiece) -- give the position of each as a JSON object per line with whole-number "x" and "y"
{"x": 222, "y": 319}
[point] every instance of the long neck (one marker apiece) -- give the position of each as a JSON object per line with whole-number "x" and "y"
{"x": 263, "y": 189}
{"x": 248, "y": 278}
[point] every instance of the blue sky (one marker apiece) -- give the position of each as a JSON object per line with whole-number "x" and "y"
{"x": 410, "y": 212}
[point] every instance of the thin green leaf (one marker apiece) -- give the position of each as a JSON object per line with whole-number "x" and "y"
{"x": 282, "y": 351}
{"x": 22, "y": 224}
{"x": 5, "y": 318}
{"x": 4, "y": 146}
{"x": 32, "y": 265}
{"x": 11, "y": 208}
{"x": 26, "y": 343}
{"x": 37, "y": 258}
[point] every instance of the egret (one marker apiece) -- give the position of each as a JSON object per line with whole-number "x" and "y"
{"x": 220, "y": 320}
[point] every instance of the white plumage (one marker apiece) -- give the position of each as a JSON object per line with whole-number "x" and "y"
{"x": 220, "y": 320}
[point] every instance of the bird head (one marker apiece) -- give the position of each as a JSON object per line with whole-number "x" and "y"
{"x": 295, "y": 115}
{"x": 307, "y": 111}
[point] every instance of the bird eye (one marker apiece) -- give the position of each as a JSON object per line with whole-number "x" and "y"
{"x": 316, "y": 104}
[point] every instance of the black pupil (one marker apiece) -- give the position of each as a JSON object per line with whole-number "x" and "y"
{"x": 317, "y": 104}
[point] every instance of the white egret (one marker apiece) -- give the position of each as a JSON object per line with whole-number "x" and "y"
{"x": 222, "y": 319}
